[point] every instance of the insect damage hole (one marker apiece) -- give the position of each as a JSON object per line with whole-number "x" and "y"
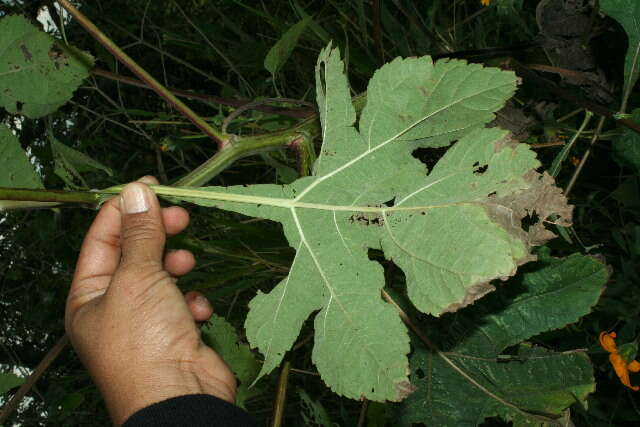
{"x": 529, "y": 221}
{"x": 479, "y": 170}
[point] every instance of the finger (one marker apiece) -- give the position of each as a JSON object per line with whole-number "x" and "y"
{"x": 99, "y": 255}
{"x": 142, "y": 235}
{"x": 199, "y": 306}
{"x": 175, "y": 219}
{"x": 179, "y": 262}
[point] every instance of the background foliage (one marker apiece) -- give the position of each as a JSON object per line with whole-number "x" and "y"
{"x": 223, "y": 49}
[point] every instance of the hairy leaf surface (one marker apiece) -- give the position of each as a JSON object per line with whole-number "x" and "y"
{"x": 451, "y": 229}
{"x": 468, "y": 379}
{"x": 37, "y": 75}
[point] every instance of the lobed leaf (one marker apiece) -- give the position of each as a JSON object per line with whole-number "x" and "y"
{"x": 452, "y": 229}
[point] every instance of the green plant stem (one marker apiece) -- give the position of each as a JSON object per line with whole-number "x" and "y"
{"x": 554, "y": 170}
{"x": 585, "y": 156}
{"x": 108, "y": 44}
{"x": 59, "y": 196}
{"x": 281, "y": 395}
{"x": 246, "y": 147}
{"x": 299, "y": 137}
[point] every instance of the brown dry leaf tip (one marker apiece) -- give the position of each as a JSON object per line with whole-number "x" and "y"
{"x": 538, "y": 199}
{"x": 472, "y": 294}
{"x": 404, "y": 389}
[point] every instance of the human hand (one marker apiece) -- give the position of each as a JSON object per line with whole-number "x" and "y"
{"x": 130, "y": 325}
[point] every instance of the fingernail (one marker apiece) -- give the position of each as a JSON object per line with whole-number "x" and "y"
{"x": 134, "y": 199}
{"x": 148, "y": 180}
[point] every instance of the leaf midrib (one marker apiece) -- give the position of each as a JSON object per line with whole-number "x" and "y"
{"x": 193, "y": 193}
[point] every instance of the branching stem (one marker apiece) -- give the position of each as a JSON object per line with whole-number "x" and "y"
{"x": 140, "y": 72}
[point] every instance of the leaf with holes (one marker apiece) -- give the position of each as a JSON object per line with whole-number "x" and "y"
{"x": 452, "y": 229}
{"x": 37, "y": 74}
{"x": 464, "y": 378}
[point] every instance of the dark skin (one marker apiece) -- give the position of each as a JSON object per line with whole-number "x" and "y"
{"x": 133, "y": 329}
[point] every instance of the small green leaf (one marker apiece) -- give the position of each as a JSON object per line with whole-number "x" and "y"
{"x": 313, "y": 413}
{"x": 281, "y": 51}
{"x": 628, "y": 351}
{"x": 71, "y": 163}
{"x": 465, "y": 377}
{"x": 221, "y": 336}
{"x": 9, "y": 381}
{"x": 626, "y": 146}
{"x": 627, "y": 13}
{"x": 37, "y": 74}
{"x": 17, "y": 171}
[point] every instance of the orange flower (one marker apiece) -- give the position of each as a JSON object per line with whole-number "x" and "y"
{"x": 485, "y": 2}
{"x": 620, "y": 366}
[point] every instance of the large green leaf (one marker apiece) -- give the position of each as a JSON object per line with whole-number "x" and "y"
{"x": 463, "y": 378}
{"x": 37, "y": 74}
{"x": 451, "y": 231}
{"x": 17, "y": 171}
{"x": 627, "y": 13}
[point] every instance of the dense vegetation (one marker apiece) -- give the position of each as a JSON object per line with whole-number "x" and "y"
{"x": 248, "y": 69}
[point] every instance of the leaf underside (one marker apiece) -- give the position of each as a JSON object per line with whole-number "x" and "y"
{"x": 37, "y": 75}
{"x": 451, "y": 230}
{"x": 530, "y": 382}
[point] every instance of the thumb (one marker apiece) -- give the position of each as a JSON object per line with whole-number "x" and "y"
{"x": 142, "y": 235}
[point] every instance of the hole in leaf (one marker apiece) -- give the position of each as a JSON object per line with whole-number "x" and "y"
{"x": 530, "y": 220}
{"x": 420, "y": 373}
{"x": 367, "y": 219}
{"x": 479, "y": 170}
{"x": 19, "y": 106}
{"x": 390, "y": 203}
{"x": 429, "y": 156}
{"x": 375, "y": 255}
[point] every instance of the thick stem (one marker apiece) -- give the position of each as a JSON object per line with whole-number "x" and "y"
{"x": 140, "y": 72}
{"x": 307, "y": 129}
{"x": 59, "y": 196}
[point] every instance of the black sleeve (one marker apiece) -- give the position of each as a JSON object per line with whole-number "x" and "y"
{"x": 194, "y": 410}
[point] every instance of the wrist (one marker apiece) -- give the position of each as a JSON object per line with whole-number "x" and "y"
{"x": 127, "y": 393}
